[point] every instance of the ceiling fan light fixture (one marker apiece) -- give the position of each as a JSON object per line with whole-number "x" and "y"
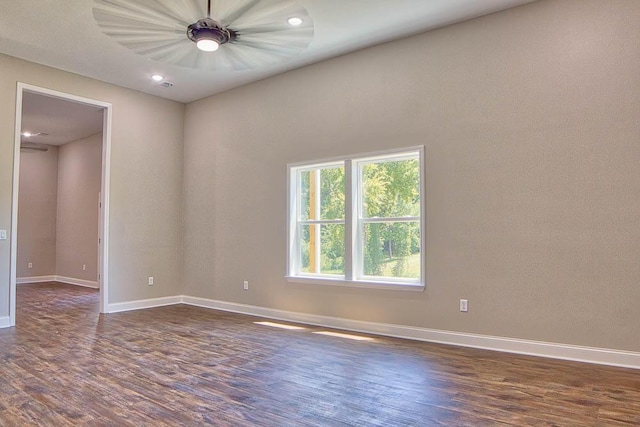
{"x": 207, "y": 45}
{"x": 208, "y": 34}
{"x": 255, "y": 33}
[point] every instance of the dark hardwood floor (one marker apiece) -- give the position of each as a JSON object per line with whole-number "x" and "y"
{"x": 64, "y": 364}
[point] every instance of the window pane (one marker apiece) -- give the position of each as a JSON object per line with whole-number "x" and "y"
{"x": 305, "y": 203}
{"x": 391, "y": 189}
{"x": 322, "y": 194}
{"x": 322, "y": 249}
{"x": 391, "y": 249}
{"x": 384, "y": 218}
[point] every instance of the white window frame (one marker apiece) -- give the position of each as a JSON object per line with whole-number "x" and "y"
{"x": 353, "y": 222}
{"x": 295, "y": 248}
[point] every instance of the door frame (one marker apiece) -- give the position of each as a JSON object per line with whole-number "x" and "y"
{"x": 103, "y": 252}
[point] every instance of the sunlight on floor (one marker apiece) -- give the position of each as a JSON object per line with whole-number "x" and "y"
{"x": 280, "y": 325}
{"x": 341, "y": 335}
{"x": 327, "y": 333}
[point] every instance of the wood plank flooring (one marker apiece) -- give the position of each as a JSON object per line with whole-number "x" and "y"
{"x": 64, "y": 364}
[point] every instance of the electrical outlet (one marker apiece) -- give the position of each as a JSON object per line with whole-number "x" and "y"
{"x": 30, "y": 265}
{"x": 84, "y": 267}
{"x": 245, "y": 285}
{"x": 150, "y": 281}
{"x": 464, "y": 305}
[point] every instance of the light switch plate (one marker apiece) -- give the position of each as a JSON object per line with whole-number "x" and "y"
{"x": 3, "y": 234}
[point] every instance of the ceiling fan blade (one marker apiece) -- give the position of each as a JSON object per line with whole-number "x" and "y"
{"x": 231, "y": 18}
{"x": 300, "y": 37}
{"x": 143, "y": 12}
{"x": 278, "y": 49}
{"x": 122, "y": 31}
{"x": 158, "y": 49}
{"x": 237, "y": 59}
{"x": 264, "y": 29}
{"x": 130, "y": 38}
{"x": 157, "y": 30}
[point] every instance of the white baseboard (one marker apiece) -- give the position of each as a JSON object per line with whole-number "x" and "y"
{"x": 601, "y": 356}
{"x": 5, "y": 322}
{"x": 55, "y": 278}
{"x": 35, "y": 279}
{"x": 144, "y": 303}
{"x": 77, "y": 282}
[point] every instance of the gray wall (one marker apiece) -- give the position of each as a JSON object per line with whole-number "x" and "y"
{"x": 530, "y": 122}
{"x": 58, "y": 210}
{"x": 79, "y": 178}
{"x": 37, "y": 213}
{"x": 146, "y": 180}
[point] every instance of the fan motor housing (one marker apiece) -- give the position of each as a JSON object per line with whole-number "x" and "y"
{"x": 209, "y": 29}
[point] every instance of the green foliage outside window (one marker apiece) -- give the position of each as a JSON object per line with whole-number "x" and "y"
{"x": 331, "y": 200}
{"x": 389, "y": 190}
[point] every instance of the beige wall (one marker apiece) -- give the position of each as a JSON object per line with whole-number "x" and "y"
{"x": 79, "y": 177}
{"x": 146, "y": 180}
{"x": 530, "y": 122}
{"x": 37, "y": 213}
{"x": 58, "y": 210}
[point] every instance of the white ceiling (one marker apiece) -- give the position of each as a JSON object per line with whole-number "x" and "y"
{"x": 64, "y": 34}
{"x": 61, "y": 120}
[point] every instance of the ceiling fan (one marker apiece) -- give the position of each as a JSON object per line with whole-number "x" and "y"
{"x": 228, "y": 35}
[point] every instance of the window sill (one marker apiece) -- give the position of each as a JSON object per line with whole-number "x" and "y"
{"x": 329, "y": 281}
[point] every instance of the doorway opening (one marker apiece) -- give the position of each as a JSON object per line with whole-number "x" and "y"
{"x": 56, "y": 133}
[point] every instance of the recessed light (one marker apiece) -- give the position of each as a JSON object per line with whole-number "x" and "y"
{"x": 157, "y": 77}
{"x": 29, "y": 134}
{"x": 294, "y": 21}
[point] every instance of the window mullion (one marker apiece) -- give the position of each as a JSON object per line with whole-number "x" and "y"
{"x": 317, "y": 227}
{"x": 323, "y": 222}
{"x": 294, "y": 222}
{"x": 348, "y": 221}
{"x": 392, "y": 219}
{"x": 357, "y": 222}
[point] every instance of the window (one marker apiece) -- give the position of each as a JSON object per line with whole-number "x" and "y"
{"x": 358, "y": 220}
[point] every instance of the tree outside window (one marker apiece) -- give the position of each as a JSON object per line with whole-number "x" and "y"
{"x": 358, "y": 219}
